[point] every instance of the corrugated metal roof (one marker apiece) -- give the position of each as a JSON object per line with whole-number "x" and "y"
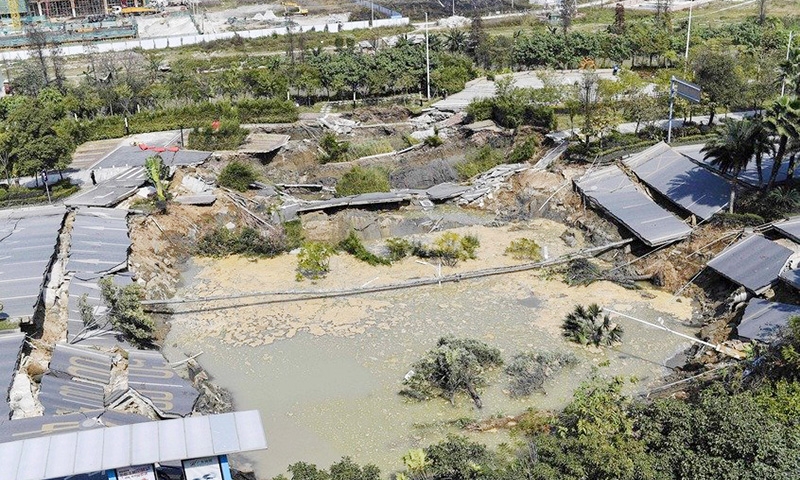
{"x": 753, "y": 262}
{"x": 133, "y": 156}
{"x": 19, "y": 429}
{"x": 69, "y": 361}
{"x": 682, "y": 181}
{"x": 10, "y": 347}
{"x": 764, "y": 321}
{"x": 152, "y": 377}
{"x": 62, "y": 395}
{"x": 142, "y": 443}
{"x": 789, "y": 228}
{"x": 749, "y": 175}
{"x": 614, "y": 192}
{"x": 28, "y": 240}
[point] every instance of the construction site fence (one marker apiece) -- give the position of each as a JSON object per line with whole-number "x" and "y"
{"x": 182, "y": 40}
{"x": 379, "y": 8}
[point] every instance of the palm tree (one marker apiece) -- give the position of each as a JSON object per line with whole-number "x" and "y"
{"x": 417, "y": 462}
{"x": 455, "y": 40}
{"x": 588, "y": 326}
{"x": 762, "y": 144}
{"x": 731, "y": 150}
{"x": 783, "y": 119}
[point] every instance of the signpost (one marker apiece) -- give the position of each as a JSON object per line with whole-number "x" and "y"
{"x": 683, "y": 89}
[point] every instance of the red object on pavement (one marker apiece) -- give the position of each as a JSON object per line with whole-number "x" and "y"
{"x": 143, "y": 146}
{"x": 173, "y": 149}
{"x": 159, "y": 149}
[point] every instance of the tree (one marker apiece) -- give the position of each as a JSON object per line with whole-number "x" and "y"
{"x": 720, "y": 78}
{"x": 457, "y": 458}
{"x": 731, "y": 149}
{"x": 455, "y": 365}
{"x": 716, "y": 432}
{"x": 589, "y": 326}
{"x": 762, "y": 10}
{"x": 478, "y": 43}
{"x": 125, "y": 311}
{"x": 783, "y": 119}
{"x": 417, "y": 463}
{"x": 618, "y": 27}
{"x": 567, "y": 9}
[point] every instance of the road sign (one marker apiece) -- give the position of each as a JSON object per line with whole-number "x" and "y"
{"x": 687, "y": 90}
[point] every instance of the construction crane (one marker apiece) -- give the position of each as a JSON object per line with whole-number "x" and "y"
{"x": 13, "y": 10}
{"x": 291, "y": 8}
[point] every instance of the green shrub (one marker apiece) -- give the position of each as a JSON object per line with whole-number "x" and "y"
{"x": 433, "y": 141}
{"x": 525, "y": 249}
{"x": 450, "y": 247}
{"x": 352, "y": 245}
{"x": 482, "y": 160}
{"x": 334, "y": 149}
{"x": 237, "y": 176}
{"x": 293, "y": 231}
{"x": 229, "y": 136}
{"x": 525, "y": 151}
{"x": 729, "y": 220}
{"x": 246, "y": 241}
{"x": 313, "y": 261}
{"x": 399, "y": 248}
{"x": 362, "y": 180}
{"x": 480, "y": 109}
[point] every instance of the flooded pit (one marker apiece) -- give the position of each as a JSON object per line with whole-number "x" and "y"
{"x": 325, "y": 396}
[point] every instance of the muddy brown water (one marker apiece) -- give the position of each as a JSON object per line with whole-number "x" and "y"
{"x": 328, "y": 395}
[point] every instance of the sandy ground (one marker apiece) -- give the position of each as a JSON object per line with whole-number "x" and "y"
{"x": 263, "y": 324}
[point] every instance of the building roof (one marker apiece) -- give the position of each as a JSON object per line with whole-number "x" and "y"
{"x": 753, "y": 262}
{"x": 10, "y": 348}
{"x": 789, "y": 228}
{"x": 614, "y": 192}
{"x": 749, "y": 175}
{"x": 763, "y": 320}
{"x": 134, "y": 156}
{"x": 151, "y": 376}
{"x": 28, "y": 240}
{"x": 683, "y": 182}
{"x": 88, "y": 451}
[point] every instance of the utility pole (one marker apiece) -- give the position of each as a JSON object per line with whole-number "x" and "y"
{"x": 688, "y": 32}
{"x": 454, "y": 8}
{"x": 788, "y": 51}
{"x": 371, "y": 14}
{"x": 671, "y": 105}
{"x": 427, "y": 57}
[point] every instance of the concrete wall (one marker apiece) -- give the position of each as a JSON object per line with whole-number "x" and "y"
{"x": 180, "y": 40}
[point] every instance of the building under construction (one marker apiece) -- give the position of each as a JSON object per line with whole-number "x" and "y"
{"x": 31, "y": 10}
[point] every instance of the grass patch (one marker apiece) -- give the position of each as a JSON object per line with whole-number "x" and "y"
{"x": 17, "y": 196}
{"x": 369, "y": 148}
{"x": 352, "y": 245}
{"x": 363, "y": 180}
{"x": 482, "y": 160}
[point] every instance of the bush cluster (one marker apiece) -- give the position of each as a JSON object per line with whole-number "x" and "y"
{"x": 245, "y": 241}
{"x": 354, "y": 247}
{"x": 525, "y": 249}
{"x": 237, "y": 176}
